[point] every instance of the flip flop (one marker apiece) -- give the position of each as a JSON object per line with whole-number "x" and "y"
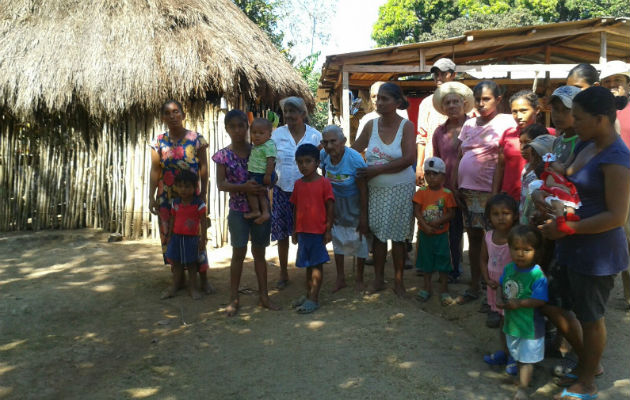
{"x": 298, "y": 302}
{"x": 423, "y": 296}
{"x": 583, "y": 396}
{"x": 307, "y": 307}
{"x": 467, "y": 297}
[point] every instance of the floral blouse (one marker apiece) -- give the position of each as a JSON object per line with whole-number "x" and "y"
{"x": 236, "y": 173}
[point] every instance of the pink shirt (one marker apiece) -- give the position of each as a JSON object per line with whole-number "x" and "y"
{"x": 428, "y": 121}
{"x": 480, "y": 149}
{"x": 623, "y": 116}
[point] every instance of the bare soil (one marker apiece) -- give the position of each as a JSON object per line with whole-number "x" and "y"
{"x": 80, "y": 318}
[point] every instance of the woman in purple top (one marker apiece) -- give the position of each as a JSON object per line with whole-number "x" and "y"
{"x": 232, "y": 177}
{"x": 594, "y": 249}
{"x": 455, "y": 100}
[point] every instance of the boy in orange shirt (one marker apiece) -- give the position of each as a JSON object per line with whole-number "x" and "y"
{"x": 434, "y": 207}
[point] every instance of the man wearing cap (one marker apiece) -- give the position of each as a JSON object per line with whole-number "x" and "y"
{"x": 443, "y": 70}
{"x": 616, "y": 76}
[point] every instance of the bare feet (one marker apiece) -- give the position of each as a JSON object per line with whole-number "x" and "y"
{"x": 207, "y": 288}
{"x": 264, "y": 217}
{"x": 266, "y": 303}
{"x": 251, "y": 215}
{"x": 400, "y": 290}
{"x": 167, "y": 294}
{"x": 339, "y": 285}
{"x": 377, "y": 287}
{"x": 232, "y": 308}
{"x": 359, "y": 286}
{"x": 521, "y": 394}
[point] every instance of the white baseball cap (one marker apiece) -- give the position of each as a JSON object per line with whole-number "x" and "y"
{"x": 444, "y": 65}
{"x": 435, "y": 164}
{"x": 616, "y": 67}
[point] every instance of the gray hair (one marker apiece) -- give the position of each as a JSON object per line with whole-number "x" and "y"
{"x": 297, "y": 103}
{"x": 334, "y": 129}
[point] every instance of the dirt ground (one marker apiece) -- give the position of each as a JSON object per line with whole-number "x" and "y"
{"x": 80, "y": 318}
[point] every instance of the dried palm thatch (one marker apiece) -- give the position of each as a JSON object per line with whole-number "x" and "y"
{"x": 113, "y": 56}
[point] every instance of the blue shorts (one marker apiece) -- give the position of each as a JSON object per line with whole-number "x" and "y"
{"x": 258, "y": 178}
{"x": 311, "y": 250}
{"x": 526, "y": 351}
{"x": 241, "y": 229}
{"x": 183, "y": 249}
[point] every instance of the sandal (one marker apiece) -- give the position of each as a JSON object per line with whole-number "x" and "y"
{"x": 446, "y": 299}
{"x": 307, "y": 307}
{"x": 497, "y": 358}
{"x": 583, "y": 396}
{"x": 511, "y": 368}
{"x": 467, "y": 297}
{"x": 298, "y": 302}
{"x": 423, "y": 296}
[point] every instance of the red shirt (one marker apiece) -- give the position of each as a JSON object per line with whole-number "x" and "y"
{"x": 623, "y": 116}
{"x": 310, "y": 200}
{"x": 188, "y": 217}
{"x": 514, "y": 161}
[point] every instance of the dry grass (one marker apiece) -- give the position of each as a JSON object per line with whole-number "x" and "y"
{"x": 113, "y": 56}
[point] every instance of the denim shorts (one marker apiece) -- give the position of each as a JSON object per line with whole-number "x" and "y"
{"x": 241, "y": 229}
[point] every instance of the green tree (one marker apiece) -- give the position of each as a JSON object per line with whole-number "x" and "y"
{"x": 404, "y": 21}
{"x": 266, "y": 14}
{"x": 308, "y": 70}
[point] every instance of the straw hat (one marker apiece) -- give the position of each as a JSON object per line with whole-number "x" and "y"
{"x": 457, "y": 88}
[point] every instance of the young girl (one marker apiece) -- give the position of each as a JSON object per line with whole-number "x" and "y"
{"x": 232, "y": 177}
{"x": 521, "y": 292}
{"x": 524, "y": 106}
{"x": 187, "y": 233}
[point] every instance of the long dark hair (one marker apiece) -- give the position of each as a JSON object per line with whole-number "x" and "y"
{"x": 396, "y": 92}
{"x": 586, "y": 72}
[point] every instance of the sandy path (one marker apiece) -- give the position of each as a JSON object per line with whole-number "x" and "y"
{"x": 80, "y": 318}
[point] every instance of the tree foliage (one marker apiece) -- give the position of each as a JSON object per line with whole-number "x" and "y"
{"x": 408, "y": 21}
{"x": 266, "y": 14}
{"x": 308, "y": 70}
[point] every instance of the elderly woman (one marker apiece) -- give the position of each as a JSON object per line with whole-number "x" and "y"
{"x": 287, "y": 139}
{"x": 175, "y": 150}
{"x": 340, "y": 165}
{"x": 454, "y": 100}
{"x": 594, "y": 249}
{"x": 389, "y": 142}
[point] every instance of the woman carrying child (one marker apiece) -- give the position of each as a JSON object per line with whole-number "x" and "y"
{"x": 232, "y": 177}
{"x": 340, "y": 165}
{"x": 594, "y": 249}
{"x": 389, "y": 142}
{"x": 173, "y": 151}
{"x": 478, "y": 161}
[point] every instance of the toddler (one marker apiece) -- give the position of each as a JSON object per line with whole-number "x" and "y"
{"x": 434, "y": 207}
{"x": 187, "y": 233}
{"x": 261, "y": 165}
{"x": 313, "y": 212}
{"x": 521, "y": 293}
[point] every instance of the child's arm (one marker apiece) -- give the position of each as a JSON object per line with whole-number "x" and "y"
{"x": 484, "y": 266}
{"x": 448, "y": 215}
{"x": 330, "y": 217}
{"x": 203, "y": 233}
{"x": 225, "y": 186}
{"x": 171, "y": 224}
{"x": 294, "y": 237}
{"x": 513, "y": 304}
{"x": 363, "y": 227}
{"x": 497, "y": 179}
{"x": 271, "y": 165}
{"x": 500, "y": 298}
{"x": 424, "y": 226}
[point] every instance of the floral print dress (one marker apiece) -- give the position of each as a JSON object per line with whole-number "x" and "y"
{"x": 176, "y": 156}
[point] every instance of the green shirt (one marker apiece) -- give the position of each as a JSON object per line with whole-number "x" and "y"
{"x": 563, "y": 147}
{"x": 258, "y": 157}
{"x": 525, "y": 322}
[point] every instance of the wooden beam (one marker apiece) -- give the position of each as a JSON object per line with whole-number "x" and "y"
{"x": 602, "y": 48}
{"x": 583, "y": 55}
{"x": 364, "y": 84}
{"x": 345, "y": 102}
{"x": 509, "y": 53}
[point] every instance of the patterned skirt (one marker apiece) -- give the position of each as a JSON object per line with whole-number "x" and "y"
{"x": 390, "y": 212}
{"x": 281, "y": 214}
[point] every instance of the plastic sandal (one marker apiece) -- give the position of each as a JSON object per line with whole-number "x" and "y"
{"x": 467, "y": 297}
{"x": 423, "y": 296}
{"x": 497, "y": 358}
{"x": 298, "y": 302}
{"x": 307, "y": 307}
{"x": 584, "y": 396}
{"x": 511, "y": 368}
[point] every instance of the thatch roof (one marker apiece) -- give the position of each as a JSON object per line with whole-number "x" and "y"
{"x": 112, "y": 56}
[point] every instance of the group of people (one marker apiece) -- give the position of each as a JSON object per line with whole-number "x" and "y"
{"x": 544, "y": 209}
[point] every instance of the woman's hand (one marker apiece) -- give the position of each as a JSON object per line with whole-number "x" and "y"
{"x": 363, "y": 227}
{"x": 550, "y": 230}
{"x": 153, "y": 205}
{"x": 252, "y": 187}
{"x": 294, "y": 238}
{"x": 539, "y": 201}
{"x": 368, "y": 173}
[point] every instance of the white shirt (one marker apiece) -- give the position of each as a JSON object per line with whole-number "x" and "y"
{"x": 286, "y": 167}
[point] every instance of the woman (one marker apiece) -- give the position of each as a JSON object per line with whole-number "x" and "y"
{"x": 583, "y": 76}
{"x": 478, "y": 161}
{"x": 232, "y": 177}
{"x": 173, "y": 151}
{"x": 596, "y": 250}
{"x": 389, "y": 142}
{"x": 455, "y": 100}
{"x": 287, "y": 139}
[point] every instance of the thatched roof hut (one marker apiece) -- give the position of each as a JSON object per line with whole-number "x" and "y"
{"x": 80, "y": 89}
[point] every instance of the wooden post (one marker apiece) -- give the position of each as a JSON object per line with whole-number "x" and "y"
{"x": 602, "y": 48}
{"x": 345, "y": 102}
{"x": 423, "y": 61}
{"x": 546, "y": 88}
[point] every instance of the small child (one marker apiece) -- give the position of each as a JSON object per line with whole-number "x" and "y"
{"x": 561, "y": 102}
{"x": 434, "y": 207}
{"x": 502, "y": 214}
{"x": 313, "y": 215}
{"x": 522, "y": 291}
{"x": 533, "y": 152}
{"x": 261, "y": 166}
{"x": 187, "y": 233}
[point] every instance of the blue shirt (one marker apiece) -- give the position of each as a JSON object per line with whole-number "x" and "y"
{"x": 599, "y": 254}
{"x": 343, "y": 174}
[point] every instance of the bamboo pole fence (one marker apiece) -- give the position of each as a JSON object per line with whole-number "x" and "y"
{"x": 72, "y": 172}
